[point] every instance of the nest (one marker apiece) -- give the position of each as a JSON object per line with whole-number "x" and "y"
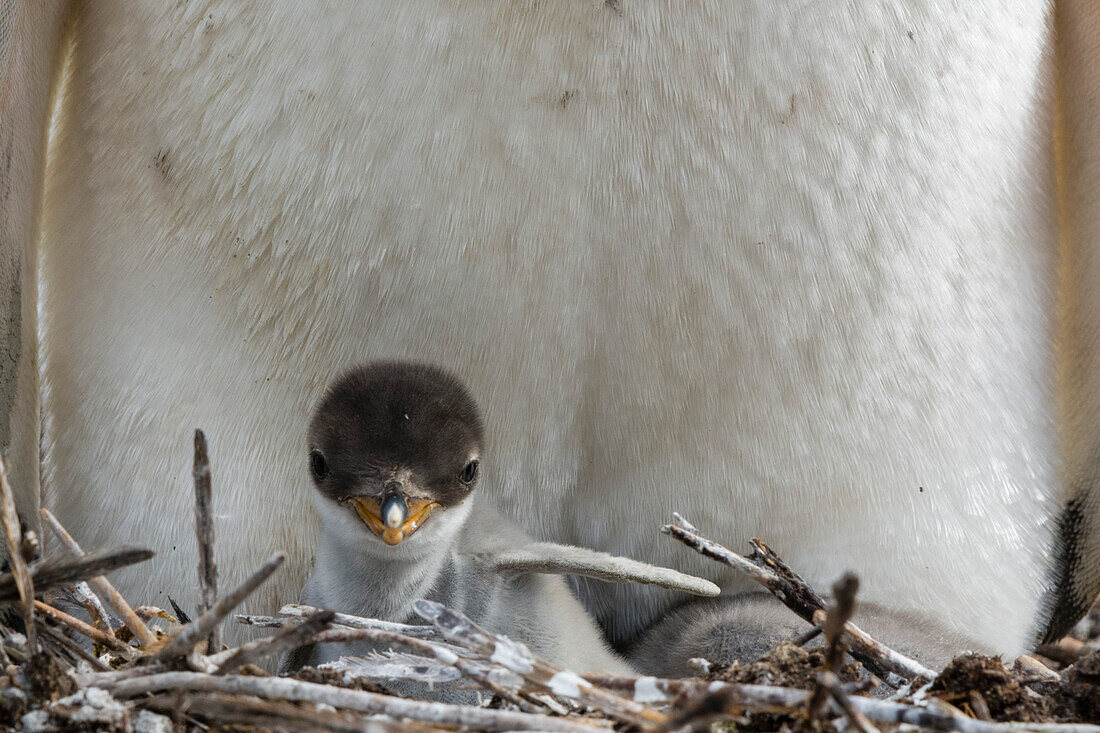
{"x": 122, "y": 672}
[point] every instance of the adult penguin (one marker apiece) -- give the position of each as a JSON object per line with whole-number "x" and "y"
{"x": 816, "y": 275}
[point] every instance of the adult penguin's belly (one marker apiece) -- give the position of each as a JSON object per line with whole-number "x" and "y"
{"x": 788, "y": 274}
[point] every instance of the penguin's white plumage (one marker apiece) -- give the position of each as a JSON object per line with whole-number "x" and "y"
{"x": 791, "y": 271}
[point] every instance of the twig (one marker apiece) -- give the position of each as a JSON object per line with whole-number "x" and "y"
{"x": 73, "y": 647}
{"x": 82, "y": 628}
{"x": 13, "y": 534}
{"x": 295, "y": 610}
{"x": 51, "y": 645}
{"x": 829, "y": 682}
{"x": 99, "y": 679}
{"x": 807, "y": 637}
{"x": 191, "y": 634}
{"x": 862, "y": 646}
{"x": 459, "y": 629}
{"x": 797, "y": 587}
{"x": 688, "y": 535}
{"x": 1031, "y": 666}
{"x": 84, "y": 595}
{"x": 254, "y": 713}
{"x": 844, "y": 606}
{"x": 358, "y": 629}
{"x": 103, "y": 586}
{"x": 1066, "y": 650}
{"x": 444, "y": 653}
{"x": 54, "y": 573}
{"x": 651, "y": 690}
{"x": 844, "y": 594}
{"x": 289, "y": 637}
{"x": 979, "y": 706}
{"x": 148, "y": 613}
{"x": 281, "y": 688}
{"x": 789, "y": 588}
{"x": 660, "y": 690}
{"x": 727, "y": 697}
{"x": 204, "y": 532}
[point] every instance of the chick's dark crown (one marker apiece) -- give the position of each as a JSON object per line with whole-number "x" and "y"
{"x": 392, "y": 420}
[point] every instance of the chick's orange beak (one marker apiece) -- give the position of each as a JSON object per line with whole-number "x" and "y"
{"x": 370, "y": 511}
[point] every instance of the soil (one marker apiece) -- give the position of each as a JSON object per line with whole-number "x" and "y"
{"x": 787, "y": 665}
{"x": 978, "y": 686}
{"x": 1006, "y": 693}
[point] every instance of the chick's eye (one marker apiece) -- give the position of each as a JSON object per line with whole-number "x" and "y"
{"x": 469, "y": 472}
{"x": 318, "y": 465}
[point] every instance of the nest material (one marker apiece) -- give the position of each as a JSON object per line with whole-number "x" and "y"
{"x": 122, "y": 673}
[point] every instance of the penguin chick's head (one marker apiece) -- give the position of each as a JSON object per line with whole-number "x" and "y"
{"x": 395, "y": 442}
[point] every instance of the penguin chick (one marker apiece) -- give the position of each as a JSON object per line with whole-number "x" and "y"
{"x": 395, "y": 453}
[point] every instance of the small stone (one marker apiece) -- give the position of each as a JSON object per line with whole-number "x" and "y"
{"x": 147, "y": 722}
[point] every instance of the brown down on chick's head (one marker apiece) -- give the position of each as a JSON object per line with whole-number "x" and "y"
{"x": 395, "y": 442}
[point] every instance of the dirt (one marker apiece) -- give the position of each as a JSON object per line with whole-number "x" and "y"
{"x": 46, "y": 679}
{"x": 976, "y": 685}
{"x": 787, "y": 665}
{"x": 1014, "y": 695}
{"x": 1003, "y": 691}
{"x": 13, "y": 703}
{"x": 1078, "y": 697}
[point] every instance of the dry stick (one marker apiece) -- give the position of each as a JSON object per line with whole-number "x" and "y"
{"x": 51, "y": 645}
{"x": 652, "y": 690}
{"x": 436, "y": 650}
{"x": 1066, "y": 650}
{"x": 295, "y": 610}
{"x": 84, "y": 594}
{"x": 103, "y": 586}
{"x": 224, "y": 710}
{"x": 13, "y": 533}
{"x": 862, "y": 646}
{"x": 844, "y": 605}
{"x": 785, "y": 585}
{"x": 195, "y": 631}
{"x": 282, "y": 688}
{"x": 661, "y": 690}
{"x": 1032, "y": 666}
{"x": 342, "y": 622}
{"x": 204, "y": 532}
{"x": 979, "y": 706}
{"x": 763, "y": 556}
{"x": 772, "y": 699}
{"x": 54, "y": 573}
{"x": 99, "y": 679}
{"x": 82, "y": 628}
{"x": 459, "y": 629}
{"x": 828, "y": 681}
{"x": 290, "y": 637}
{"x": 63, "y": 640}
{"x": 148, "y": 613}
{"x": 807, "y": 637}
{"x": 366, "y": 631}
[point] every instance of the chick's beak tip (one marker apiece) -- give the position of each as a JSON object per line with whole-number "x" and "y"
{"x": 395, "y": 518}
{"x": 394, "y": 512}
